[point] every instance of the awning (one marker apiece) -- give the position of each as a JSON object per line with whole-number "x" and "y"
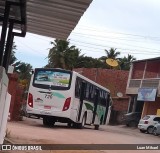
{"x": 52, "y": 18}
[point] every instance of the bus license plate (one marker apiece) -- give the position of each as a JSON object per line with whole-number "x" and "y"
{"x": 47, "y": 107}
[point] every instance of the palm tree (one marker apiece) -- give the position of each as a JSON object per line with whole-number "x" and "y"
{"x": 23, "y": 69}
{"x": 125, "y": 62}
{"x": 13, "y": 58}
{"x": 112, "y": 53}
{"x": 62, "y": 55}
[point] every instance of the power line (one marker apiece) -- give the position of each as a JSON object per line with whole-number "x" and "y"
{"x": 37, "y": 51}
{"x": 109, "y": 37}
{"x": 107, "y": 46}
{"x": 104, "y": 40}
{"x": 39, "y": 37}
{"x": 123, "y": 43}
{"x": 106, "y": 37}
{"x": 121, "y": 52}
{"x": 135, "y": 35}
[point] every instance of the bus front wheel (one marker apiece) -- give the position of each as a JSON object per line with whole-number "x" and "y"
{"x": 96, "y": 127}
{"x": 48, "y": 121}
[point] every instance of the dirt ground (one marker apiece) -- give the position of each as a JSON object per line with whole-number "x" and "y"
{"x": 31, "y": 131}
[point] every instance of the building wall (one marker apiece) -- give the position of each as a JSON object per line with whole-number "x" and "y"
{"x": 16, "y": 96}
{"x": 152, "y": 71}
{"x": 150, "y": 108}
{"x": 114, "y": 80}
{"x": 138, "y": 69}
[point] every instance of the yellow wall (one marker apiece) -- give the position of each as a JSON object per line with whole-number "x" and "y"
{"x": 158, "y": 112}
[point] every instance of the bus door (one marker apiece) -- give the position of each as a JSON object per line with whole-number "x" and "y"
{"x": 82, "y": 94}
{"x": 107, "y": 106}
{"x": 95, "y": 104}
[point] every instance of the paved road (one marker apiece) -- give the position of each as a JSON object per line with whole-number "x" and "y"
{"x": 33, "y": 131}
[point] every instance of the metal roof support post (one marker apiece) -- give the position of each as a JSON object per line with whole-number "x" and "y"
{"x": 5, "y": 58}
{"x": 8, "y": 48}
{"x": 4, "y": 30}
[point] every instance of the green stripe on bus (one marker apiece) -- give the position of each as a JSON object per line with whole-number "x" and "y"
{"x": 56, "y": 94}
{"x": 89, "y": 106}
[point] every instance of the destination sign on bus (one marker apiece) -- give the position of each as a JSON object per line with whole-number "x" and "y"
{"x": 52, "y": 78}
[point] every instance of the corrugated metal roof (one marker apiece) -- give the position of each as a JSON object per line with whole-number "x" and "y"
{"x": 53, "y": 18}
{"x": 149, "y": 59}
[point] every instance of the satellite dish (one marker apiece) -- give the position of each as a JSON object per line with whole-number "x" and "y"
{"x": 112, "y": 62}
{"x": 119, "y": 94}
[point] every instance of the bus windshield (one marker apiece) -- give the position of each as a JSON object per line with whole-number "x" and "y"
{"x": 44, "y": 78}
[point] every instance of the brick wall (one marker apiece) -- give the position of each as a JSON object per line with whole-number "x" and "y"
{"x": 114, "y": 80}
{"x": 16, "y": 96}
{"x": 138, "y": 69}
{"x": 152, "y": 70}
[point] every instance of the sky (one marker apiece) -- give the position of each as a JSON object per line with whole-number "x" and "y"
{"x": 130, "y": 26}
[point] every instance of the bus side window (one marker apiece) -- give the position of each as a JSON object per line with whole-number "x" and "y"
{"x": 104, "y": 98}
{"x": 92, "y": 92}
{"x": 87, "y": 91}
{"x": 77, "y": 87}
{"x": 101, "y": 97}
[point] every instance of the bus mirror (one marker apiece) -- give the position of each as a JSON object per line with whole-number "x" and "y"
{"x": 32, "y": 71}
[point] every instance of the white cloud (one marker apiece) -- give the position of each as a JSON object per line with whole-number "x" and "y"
{"x": 107, "y": 23}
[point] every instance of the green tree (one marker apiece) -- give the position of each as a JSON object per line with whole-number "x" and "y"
{"x": 112, "y": 53}
{"x": 62, "y": 55}
{"x": 23, "y": 69}
{"x": 89, "y": 62}
{"x": 13, "y": 58}
{"x": 125, "y": 62}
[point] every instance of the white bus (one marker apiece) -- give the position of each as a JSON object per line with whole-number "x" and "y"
{"x": 59, "y": 95}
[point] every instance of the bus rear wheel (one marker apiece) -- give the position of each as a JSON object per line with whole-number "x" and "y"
{"x": 96, "y": 127}
{"x": 48, "y": 121}
{"x": 71, "y": 125}
{"x": 82, "y": 124}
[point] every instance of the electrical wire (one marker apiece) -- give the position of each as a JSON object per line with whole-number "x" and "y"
{"x": 122, "y": 43}
{"x": 109, "y": 46}
{"x": 121, "y": 33}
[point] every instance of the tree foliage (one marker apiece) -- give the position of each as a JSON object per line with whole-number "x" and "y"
{"x": 13, "y": 58}
{"x": 23, "y": 69}
{"x": 125, "y": 62}
{"x": 62, "y": 55}
{"x": 66, "y": 56}
{"x": 112, "y": 53}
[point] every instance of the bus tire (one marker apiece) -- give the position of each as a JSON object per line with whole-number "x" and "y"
{"x": 48, "y": 121}
{"x": 101, "y": 120}
{"x": 70, "y": 125}
{"x": 96, "y": 127}
{"x": 82, "y": 124}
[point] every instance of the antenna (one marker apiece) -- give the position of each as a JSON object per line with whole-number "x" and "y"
{"x": 112, "y": 62}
